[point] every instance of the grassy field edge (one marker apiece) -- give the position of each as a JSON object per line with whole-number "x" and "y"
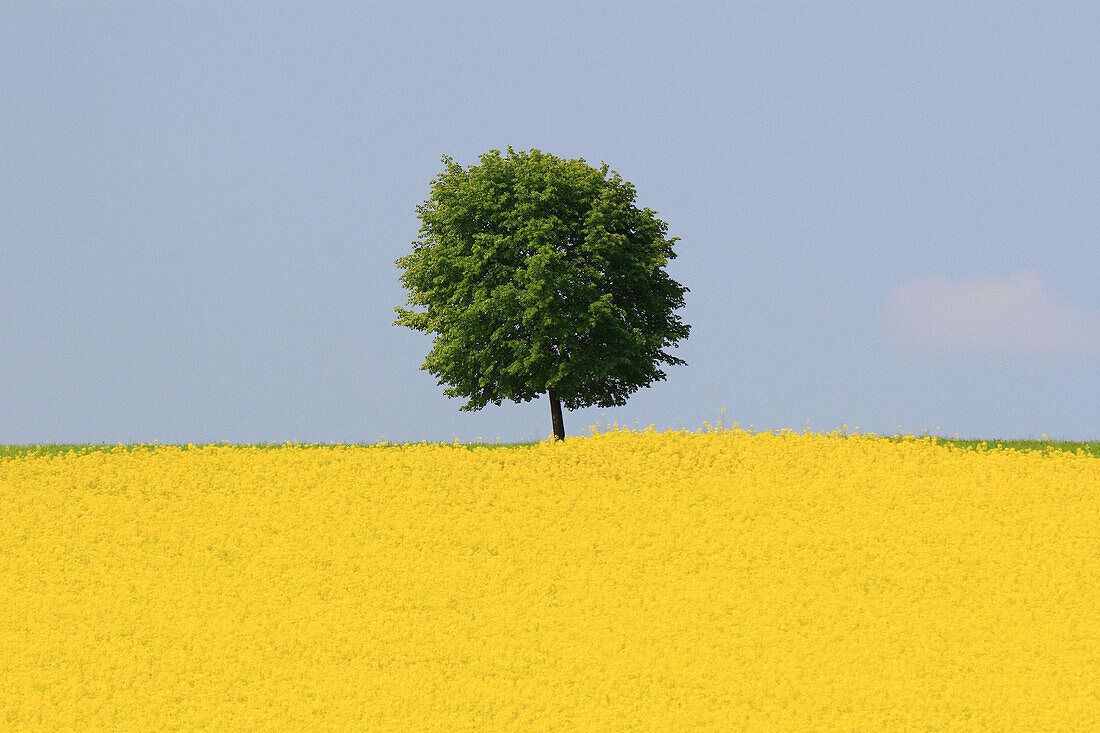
{"x": 978, "y": 444}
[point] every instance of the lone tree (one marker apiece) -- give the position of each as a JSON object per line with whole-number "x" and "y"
{"x": 540, "y": 276}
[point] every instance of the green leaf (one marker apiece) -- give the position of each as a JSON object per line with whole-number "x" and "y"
{"x": 538, "y": 271}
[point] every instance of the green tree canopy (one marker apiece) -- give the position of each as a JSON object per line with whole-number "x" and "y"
{"x": 540, "y": 276}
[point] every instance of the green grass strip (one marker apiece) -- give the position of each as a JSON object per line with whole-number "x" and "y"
{"x": 12, "y": 451}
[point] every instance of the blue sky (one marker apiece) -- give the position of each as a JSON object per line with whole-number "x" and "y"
{"x": 889, "y": 214}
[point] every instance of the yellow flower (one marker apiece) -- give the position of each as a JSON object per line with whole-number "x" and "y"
{"x": 714, "y": 580}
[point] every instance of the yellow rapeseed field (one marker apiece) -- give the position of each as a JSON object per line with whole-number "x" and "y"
{"x": 625, "y": 581}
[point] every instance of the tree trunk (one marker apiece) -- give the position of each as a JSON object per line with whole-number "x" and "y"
{"x": 555, "y": 415}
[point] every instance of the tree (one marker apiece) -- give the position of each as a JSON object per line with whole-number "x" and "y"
{"x": 540, "y": 276}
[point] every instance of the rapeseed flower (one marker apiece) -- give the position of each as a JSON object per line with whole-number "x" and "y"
{"x": 714, "y": 580}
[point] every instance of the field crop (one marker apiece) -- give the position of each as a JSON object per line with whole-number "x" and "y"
{"x": 624, "y": 581}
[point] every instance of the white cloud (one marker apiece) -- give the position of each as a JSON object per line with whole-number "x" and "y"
{"x": 1015, "y": 315}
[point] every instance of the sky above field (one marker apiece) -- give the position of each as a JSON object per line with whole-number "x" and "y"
{"x": 889, "y": 215}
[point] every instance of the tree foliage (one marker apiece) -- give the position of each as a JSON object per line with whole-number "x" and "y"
{"x": 538, "y": 274}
